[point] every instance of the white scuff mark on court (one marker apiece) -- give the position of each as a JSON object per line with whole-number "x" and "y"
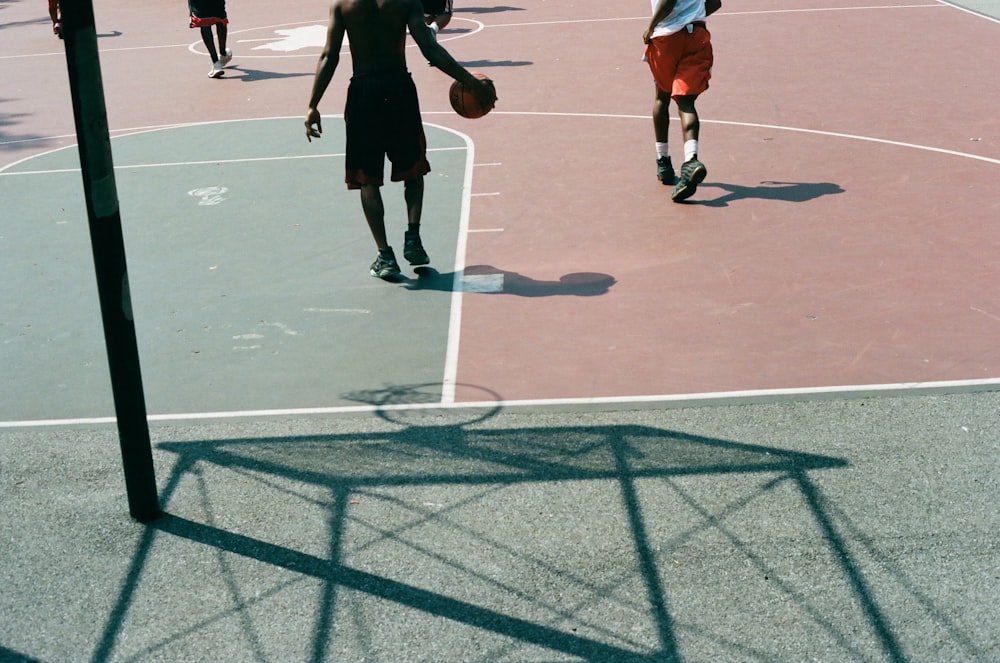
{"x": 486, "y": 230}
{"x": 986, "y": 313}
{"x": 361, "y": 311}
{"x": 296, "y": 39}
{"x": 245, "y": 348}
{"x": 285, "y": 329}
{"x": 209, "y": 195}
{"x": 482, "y": 283}
{"x": 247, "y": 337}
{"x": 492, "y": 193}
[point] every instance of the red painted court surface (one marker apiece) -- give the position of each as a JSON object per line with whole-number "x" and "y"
{"x": 846, "y": 237}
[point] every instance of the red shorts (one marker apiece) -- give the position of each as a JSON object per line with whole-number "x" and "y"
{"x": 681, "y": 63}
{"x": 207, "y": 22}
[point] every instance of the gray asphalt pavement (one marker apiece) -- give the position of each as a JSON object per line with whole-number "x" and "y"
{"x": 859, "y": 529}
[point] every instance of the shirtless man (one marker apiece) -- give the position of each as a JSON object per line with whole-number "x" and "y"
{"x": 382, "y": 113}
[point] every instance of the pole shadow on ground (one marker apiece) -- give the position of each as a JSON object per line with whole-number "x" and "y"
{"x": 377, "y": 485}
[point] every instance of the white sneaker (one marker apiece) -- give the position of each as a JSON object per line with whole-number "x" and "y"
{"x": 216, "y": 71}
{"x": 226, "y": 56}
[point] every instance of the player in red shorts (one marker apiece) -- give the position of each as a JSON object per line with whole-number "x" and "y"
{"x": 54, "y": 15}
{"x": 205, "y": 14}
{"x": 679, "y": 53}
{"x": 437, "y": 14}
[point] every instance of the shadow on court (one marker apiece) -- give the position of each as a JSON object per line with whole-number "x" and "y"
{"x": 790, "y": 192}
{"x": 486, "y": 279}
{"x": 488, "y": 10}
{"x": 248, "y": 75}
{"x": 389, "y": 542}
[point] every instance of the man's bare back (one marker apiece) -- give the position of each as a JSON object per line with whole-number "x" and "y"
{"x": 376, "y": 30}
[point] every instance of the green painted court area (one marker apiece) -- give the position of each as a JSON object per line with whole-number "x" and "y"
{"x": 248, "y": 266}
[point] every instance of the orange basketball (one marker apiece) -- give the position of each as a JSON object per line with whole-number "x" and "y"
{"x": 464, "y": 102}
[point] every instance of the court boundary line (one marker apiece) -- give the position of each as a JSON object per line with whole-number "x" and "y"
{"x": 612, "y": 116}
{"x": 744, "y": 397}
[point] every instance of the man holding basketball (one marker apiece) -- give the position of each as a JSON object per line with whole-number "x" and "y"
{"x": 679, "y": 53}
{"x": 382, "y": 113}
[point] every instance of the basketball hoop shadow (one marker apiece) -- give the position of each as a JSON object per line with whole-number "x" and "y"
{"x": 402, "y": 509}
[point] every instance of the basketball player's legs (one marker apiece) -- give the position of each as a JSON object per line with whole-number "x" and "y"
{"x": 374, "y": 210}
{"x": 222, "y": 31}
{"x": 413, "y": 194}
{"x": 688, "y": 116}
{"x": 661, "y": 115}
{"x": 209, "y": 40}
{"x": 54, "y": 15}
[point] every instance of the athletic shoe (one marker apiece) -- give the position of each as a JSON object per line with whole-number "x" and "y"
{"x": 693, "y": 172}
{"x": 385, "y": 265}
{"x": 413, "y": 249}
{"x": 225, "y": 57}
{"x": 665, "y": 170}
{"x": 216, "y": 70}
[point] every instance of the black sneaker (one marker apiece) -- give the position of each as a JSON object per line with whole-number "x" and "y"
{"x": 413, "y": 249}
{"x": 693, "y": 173}
{"x": 385, "y": 265}
{"x": 665, "y": 170}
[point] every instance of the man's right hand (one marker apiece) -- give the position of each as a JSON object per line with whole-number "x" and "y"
{"x": 313, "y": 118}
{"x": 485, "y": 93}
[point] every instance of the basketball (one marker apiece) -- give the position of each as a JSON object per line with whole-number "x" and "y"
{"x": 464, "y": 102}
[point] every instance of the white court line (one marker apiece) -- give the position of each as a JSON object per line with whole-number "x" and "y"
{"x": 450, "y": 378}
{"x": 969, "y": 11}
{"x": 776, "y": 127}
{"x": 722, "y": 13}
{"x": 210, "y": 162}
{"x": 683, "y": 400}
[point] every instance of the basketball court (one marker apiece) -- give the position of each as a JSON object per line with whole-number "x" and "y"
{"x": 843, "y": 243}
{"x": 843, "y": 239}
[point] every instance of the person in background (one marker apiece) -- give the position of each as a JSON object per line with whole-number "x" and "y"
{"x": 679, "y": 54}
{"x": 54, "y": 15}
{"x": 437, "y": 14}
{"x": 205, "y": 14}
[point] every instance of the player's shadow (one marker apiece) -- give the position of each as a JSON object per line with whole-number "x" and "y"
{"x": 486, "y": 279}
{"x": 248, "y": 75}
{"x": 479, "y": 64}
{"x": 8, "y": 121}
{"x": 790, "y": 192}
{"x": 488, "y": 10}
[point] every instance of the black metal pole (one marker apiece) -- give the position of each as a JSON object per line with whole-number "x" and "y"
{"x": 87, "y": 89}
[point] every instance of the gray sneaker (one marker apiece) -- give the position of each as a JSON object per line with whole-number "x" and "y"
{"x": 413, "y": 249}
{"x": 693, "y": 173}
{"x": 385, "y": 265}
{"x": 665, "y": 170}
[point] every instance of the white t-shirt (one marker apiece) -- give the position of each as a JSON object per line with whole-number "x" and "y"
{"x": 685, "y": 12}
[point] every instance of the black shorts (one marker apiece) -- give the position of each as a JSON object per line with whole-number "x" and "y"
{"x": 436, "y": 7}
{"x": 383, "y": 119}
{"x": 207, "y": 8}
